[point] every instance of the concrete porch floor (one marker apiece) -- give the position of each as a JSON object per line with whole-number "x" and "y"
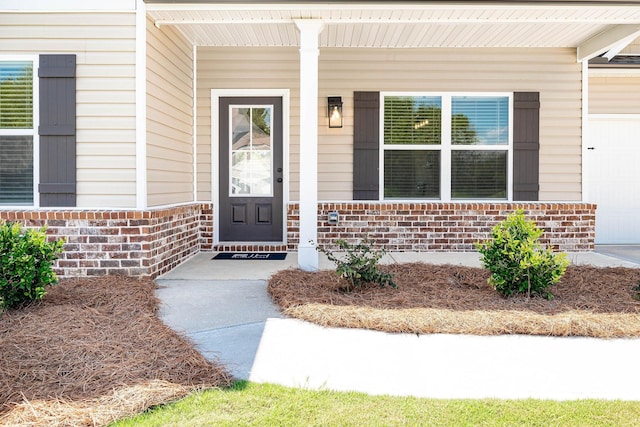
{"x": 223, "y": 307}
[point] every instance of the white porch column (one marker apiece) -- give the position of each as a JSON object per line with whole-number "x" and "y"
{"x": 309, "y": 32}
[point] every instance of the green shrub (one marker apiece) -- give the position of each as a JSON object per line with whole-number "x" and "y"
{"x": 360, "y": 264}
{"x": 26, "y": 259}
{"x": 516, "y": 260}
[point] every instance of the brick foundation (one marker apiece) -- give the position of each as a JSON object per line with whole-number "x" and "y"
{"x": 152, "y": 242}
{"x": 446, "y": 227}
{"x": 135, "y": 243}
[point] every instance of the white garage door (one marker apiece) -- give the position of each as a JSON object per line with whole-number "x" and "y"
{"x": 613, "y": 173}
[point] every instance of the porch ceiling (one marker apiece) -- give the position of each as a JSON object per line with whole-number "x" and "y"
{"x": 399, "y": 25}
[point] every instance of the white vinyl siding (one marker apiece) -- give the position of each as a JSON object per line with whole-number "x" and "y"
{"x": 245, "y": 68}
{"x": 552, "y": 72}
{"x": 614, "y": 95}
{"x": 632, "y": 48}
{"x": 104, "y": 45}
{"x": 169, "y": 117}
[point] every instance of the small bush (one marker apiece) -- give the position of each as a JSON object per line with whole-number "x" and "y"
{"x": 516, "y": 260}
{"x": 26, "y": 259}
{"x": 360, "y": 265}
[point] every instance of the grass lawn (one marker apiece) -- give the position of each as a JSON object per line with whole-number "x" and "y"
{"x": 270, "y": 405}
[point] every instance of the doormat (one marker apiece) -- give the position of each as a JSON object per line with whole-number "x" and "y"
{"x": 270, "y": 256}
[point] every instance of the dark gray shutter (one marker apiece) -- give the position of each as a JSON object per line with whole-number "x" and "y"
{"x": 57, "y": 130}
{"x": 366, "y": 145}
{"x": 526, "y": 145}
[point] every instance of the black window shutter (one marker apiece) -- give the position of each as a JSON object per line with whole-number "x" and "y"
{"x": 526, "y": 145}
{"x": 57, "y": 130}
{"x": 366, "y": 145}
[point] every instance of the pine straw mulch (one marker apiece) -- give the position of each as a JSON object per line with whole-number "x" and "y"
{"x": 589, "y": 301}
{"x": 93, "y": 351}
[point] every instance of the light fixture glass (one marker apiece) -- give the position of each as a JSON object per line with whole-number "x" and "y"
{"x": 334, "y": 110}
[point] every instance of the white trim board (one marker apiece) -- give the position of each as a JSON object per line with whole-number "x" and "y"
{"x": 195, "y": 122}
{"x": 614, "y": 116}
{"x": 33, "y": 131}
{"x": 66, "y": 5}
{"x": 141, "y": 106}
{"x": 584, "y": 191}
{"x": 614, "y": 72}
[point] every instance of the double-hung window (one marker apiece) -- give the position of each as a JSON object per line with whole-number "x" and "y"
{"x": 18, "y": 132}
{"x": 446, "y": 146}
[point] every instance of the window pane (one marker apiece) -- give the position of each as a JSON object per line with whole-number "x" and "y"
{"x": 240, "y": 175}
{"x": 240, "y": 135}
{"x": 261, "y": 172}
{"x": 480, "y": 120}
{"x": 412, "y": 119}
{"x": 16, "y": 170}
{"x": 479, "y": 174}
{"x": 251, "y": 159}
{"x": 412, "y": 174}
{"x": 261, "y": 128}
{"x": 16, "y": 95}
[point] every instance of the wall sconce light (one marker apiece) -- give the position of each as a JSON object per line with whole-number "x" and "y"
{"x": 334, "y": 111}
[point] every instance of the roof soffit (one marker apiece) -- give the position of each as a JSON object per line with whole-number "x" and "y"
{"x": 398, "y": 25}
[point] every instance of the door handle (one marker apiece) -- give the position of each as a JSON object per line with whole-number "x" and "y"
{"x": 279, "y": 180}
{"x": 591, "y": 148}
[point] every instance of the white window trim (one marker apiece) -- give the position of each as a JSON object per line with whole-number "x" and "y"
{"x": 35, "y": 60}
{"x": 446, "y": 148}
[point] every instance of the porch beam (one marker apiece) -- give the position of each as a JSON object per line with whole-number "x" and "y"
{"x": 616, "y": 49}
{"x": 382, "y": 21}
{"x": 310, "y": 30}
{"x": 608, "y": 40}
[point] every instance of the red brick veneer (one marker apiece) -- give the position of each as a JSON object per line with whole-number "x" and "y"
{"x": 152, "y": 242}
{"x": 444, "y": 227}
{"x": 136, "y": 243}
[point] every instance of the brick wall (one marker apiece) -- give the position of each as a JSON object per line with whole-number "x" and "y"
{"x": 152, "y": 242}
{"x": 443, "y": 227}
{"x": 137, "y": 243}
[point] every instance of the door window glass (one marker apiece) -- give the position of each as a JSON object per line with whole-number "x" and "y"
{"x": 251, "y": 151}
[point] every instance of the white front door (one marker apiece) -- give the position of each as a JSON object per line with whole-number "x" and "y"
{"x": 614, "y": 177}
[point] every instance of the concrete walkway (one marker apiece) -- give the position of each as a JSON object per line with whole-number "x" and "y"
{"x": 223, "y": 307}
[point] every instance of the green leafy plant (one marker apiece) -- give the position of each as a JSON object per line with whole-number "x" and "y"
{"x": 518, "y": 262}
{"x": 636, "y": 292}
{"x": 359, "y": 265}
{"x": 26, "y": 261}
